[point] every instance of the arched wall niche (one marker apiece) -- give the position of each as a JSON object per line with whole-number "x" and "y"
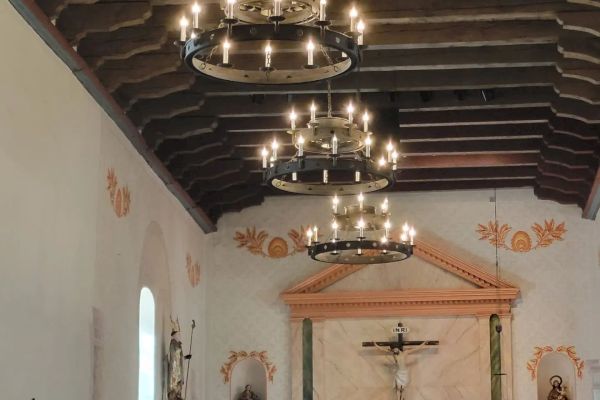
{"x": 551, "y": 364}
{"x": 248, "y": 371}
{"x": 154, "y": 274}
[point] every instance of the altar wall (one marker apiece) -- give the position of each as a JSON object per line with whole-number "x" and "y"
{"x": 559, "y": 283}
{"x": 450, "y": 371}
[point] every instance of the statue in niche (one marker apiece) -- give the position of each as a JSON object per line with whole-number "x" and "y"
{"x": 401, "y": 374}
{"x": 248, "y": 394}
{"x": 558, "y": 392}
{"x": 175, "y": 367}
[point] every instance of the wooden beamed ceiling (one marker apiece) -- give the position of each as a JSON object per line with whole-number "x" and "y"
{"x": 478, "y": 94}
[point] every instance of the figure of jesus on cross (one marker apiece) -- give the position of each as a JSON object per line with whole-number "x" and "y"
{"x": 398, "y": 353}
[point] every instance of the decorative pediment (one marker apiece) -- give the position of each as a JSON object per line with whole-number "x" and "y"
{"x": 490, "y": 295}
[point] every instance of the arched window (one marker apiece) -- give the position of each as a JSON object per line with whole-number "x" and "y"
{"x": 146, "y": 346}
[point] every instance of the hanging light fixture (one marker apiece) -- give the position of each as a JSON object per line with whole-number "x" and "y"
{"x": 283, "y": 27}
{"x": 361, "y": 234}
{"x": 333, "y": 155}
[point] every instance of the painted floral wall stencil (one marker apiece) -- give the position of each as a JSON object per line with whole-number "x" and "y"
{"x": 193, "y": 270}
{"x": 520, "y": 241}
{"x": 540, "y": 351}
{"x": 254, "y": 242}
{"x": 120, "y": 197}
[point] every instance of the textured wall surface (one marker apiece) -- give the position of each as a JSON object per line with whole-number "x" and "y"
{"x": 71, "y": 270}
{"x": 559, "y": 283}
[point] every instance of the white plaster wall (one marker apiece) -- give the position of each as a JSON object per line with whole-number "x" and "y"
{"x": 559, "y": 303}
{"x": 70, "y": 269}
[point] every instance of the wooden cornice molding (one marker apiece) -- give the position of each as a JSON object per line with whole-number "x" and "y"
{"x": 415, "y": 302}
{"x": 492, "y": 295}
{"x": 427, "y": 252}
{"x": 456, "y": 266}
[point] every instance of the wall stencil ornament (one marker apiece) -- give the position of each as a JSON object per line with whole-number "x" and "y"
{"x": 540, "y": 351}
{"x": 120, "y": 197}
{"x": 521, "y": 242}
{"x": 193, "y": 270}
{"x": 278, "y": 247}
{"x": 237, "y": 356}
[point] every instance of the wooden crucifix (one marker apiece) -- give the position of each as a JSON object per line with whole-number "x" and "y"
{"x": 400, "y": 343}
{"x": 398, "y": 354}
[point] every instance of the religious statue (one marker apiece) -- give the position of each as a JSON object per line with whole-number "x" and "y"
{"x": 398, "y": 353}
{"x": 175, "y": 367}
{"x": 401, "y": 375}
{"x": 248, "y": 394}
{"x": 558, "y": 392}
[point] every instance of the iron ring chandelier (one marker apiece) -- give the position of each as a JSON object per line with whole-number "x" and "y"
{"x": 325, "y": 176}
{"x": 232, "y": 51}
{"x": 363, "y": 221}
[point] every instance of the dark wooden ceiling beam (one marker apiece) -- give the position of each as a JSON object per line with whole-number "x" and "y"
{"x": 412, "y": 36}
{"x": 582, "y": 21}
{"x": 180, "y": 165}
{"x": 121, "y": 44}
{"x": 580, "y": 46}
{"x": 213, "y": 170}
{"x": 165, "y": 107}
{"x": 77, "y": 20}
{"x": 575, "y": 109}
{"x": 177, "y": 128}
{"x": 578, "y": 90}
{"x": 156, "y": 87}
{"x": 53, "y": 8}
{"x": 483, "y": 117}
{"x": 138, "y": 68}
{"x": 581, "y": 70}
{"x": 170, "y": 148}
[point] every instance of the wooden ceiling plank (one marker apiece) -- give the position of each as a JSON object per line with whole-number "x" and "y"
{"x": 77, "y": 20}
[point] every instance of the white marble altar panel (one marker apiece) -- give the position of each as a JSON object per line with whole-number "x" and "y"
{"x": 449, "y": 372}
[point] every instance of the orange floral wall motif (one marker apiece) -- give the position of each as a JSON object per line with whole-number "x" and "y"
{"x": 540, "y": 351}
{"x": 193, "y": 271}
{"x": 120, "y": 197}
{"x": 521, "y": 241}
{"x": 254, "y": 242}
{"x": 237, "y": 356}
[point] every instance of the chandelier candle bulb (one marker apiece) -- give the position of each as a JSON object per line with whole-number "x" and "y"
{"x": 316, "y": 233}
{"x": 322, "y": 12}
{"x": 294, "y": 176}
{"x": 350, "y": 110}
{"x": 300, "y": 146}
{"x": 361, "y": 199}
{"x": 310, "y": 48}
{"x": 353, "y": 15}
{"x": 309, "y": 234}
{"x": 360, "y": 27}
{"x": 313, "y": 112}
{"x": 390, "y": 149}
{"x": 183, "y": 24}
{"x": 361, "y": 228}
{"x": 325, "y": 176}
{"x": 268, "y": 52}
{"x": 384, "y": 206}
{"x": 368, "y": 143}
{"x": 404, "y": 237}
{"x": 229, "y": 10}
{"x": 334, "y": 226}
{"x": 365, "y": 119}
{"x": 382, "y": 161}
{"x": 196, "y": 13}
{"x": 264, "y": 153}
{"x": 226, "y": 47}
{"x": 293, "y": 118}
{"x": 357, "y": 176}
{"x": 277, "y": 8}
{"x": 334, "y": 145}
{"x": 412, "y": 233}
{"x": 274, "y": 147}
{"x": 335, "y": 202}
{"x": 384, "y": 241}
{"x": 387, "y": 225}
